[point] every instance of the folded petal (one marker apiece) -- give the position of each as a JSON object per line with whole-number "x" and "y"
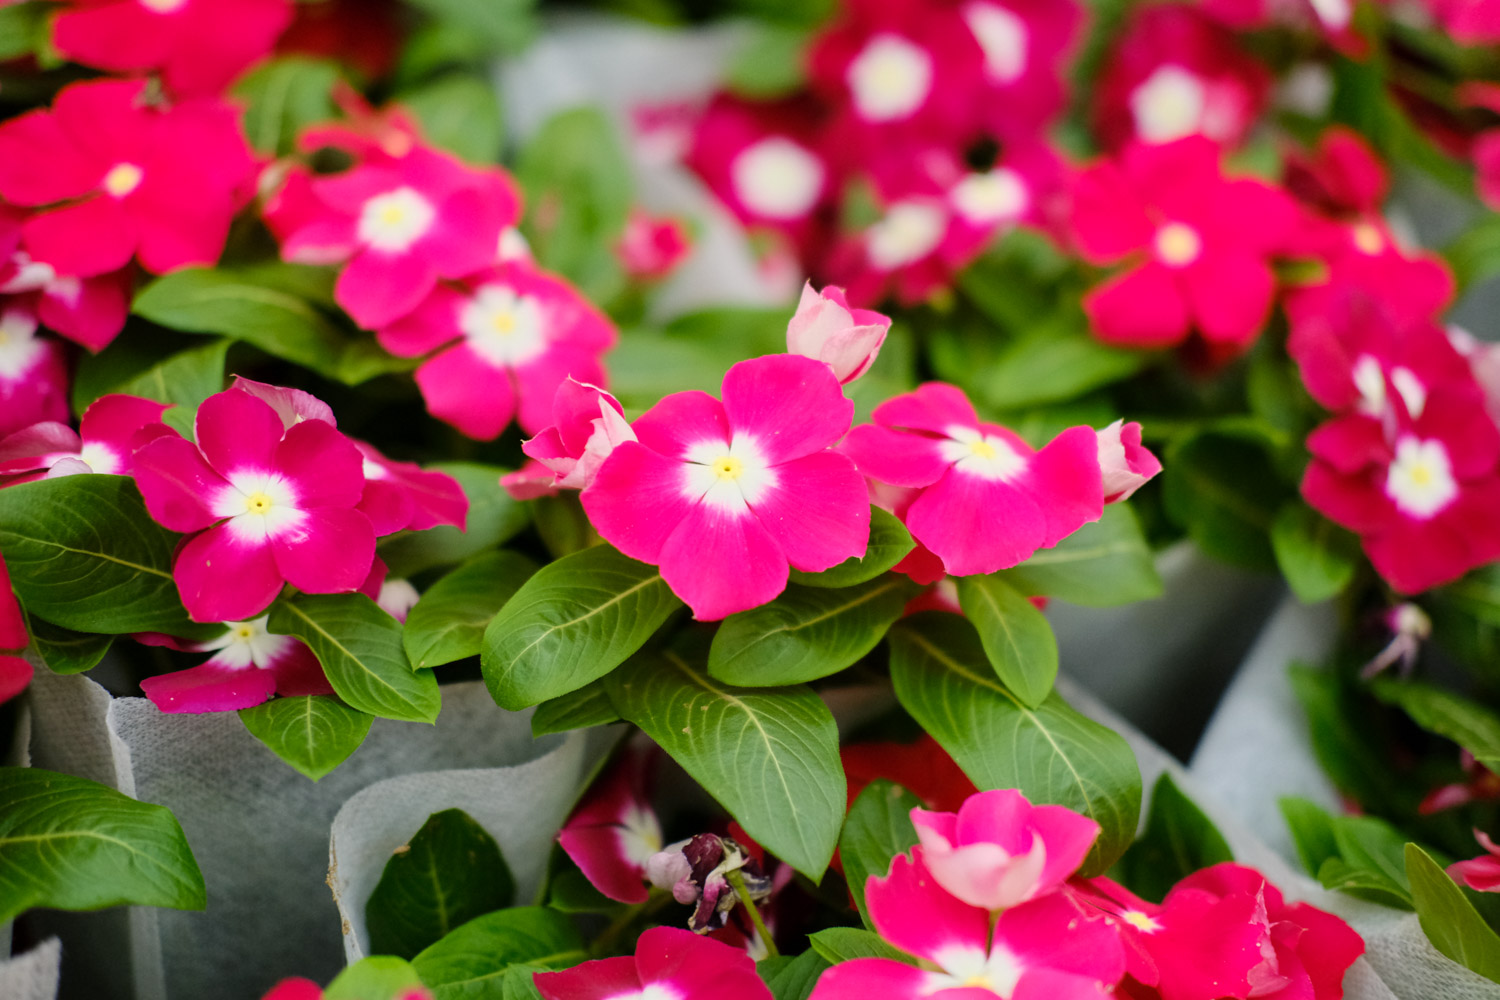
{"x": 792, "y": 405}
{"x": 222, "y": 578}
{"x": 818, "y": 512}
{"x": 209, "y": 687}
{"x": 537, "y": 382}
{"x": 331, "y": 553}
{"x": 720, "y": 561}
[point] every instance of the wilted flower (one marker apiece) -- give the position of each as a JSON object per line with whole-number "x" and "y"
{"x": 695, "y": 871}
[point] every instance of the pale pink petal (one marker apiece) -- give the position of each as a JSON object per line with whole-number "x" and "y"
{"x": 680, "y": 421}
{"x": 976, "y": 525}
{"x": 637, "y": 500}
{"x": 1068, "y": 836}
{"x": 178, "y": 487}
{"x": 868, "y": 978}
{"x": 330, "y": 553}
{"x": 209, "y": 687}
{"x": 791, "y": 405}
{"x": 1124, "y": 463}
{"x": 292, "y": 405}
{"x": 222, "y": 579}
{"x": 913, "y": 913}
{"x": 896, "y": 458}
{"x": 15, "y": 674}
{"x": 934, "y": 407}
{"x": 718, "y": 561}
{"x": 323, "y": 466}
{"x": 1068, "y": 484}
{"x": 377, "y": 289}
{"x": 89, "y": 237}
{"x": 818, "y": 513}
{"x": 1143, "y": 307}
{"x": 237, "y": 431}
{"x": 466, "y": 391}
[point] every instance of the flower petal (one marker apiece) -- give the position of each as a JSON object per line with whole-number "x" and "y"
{"x": 637, "y": 501}
{"x": 914, "y": 913}
{"x": 720, "y": 561}
{"x": 379, "y": 288}
{"x": 15, "y": 674}
{"x": 224, "y": 579}
{"x": 330, "y": 553}
{"x": 323, "y": 466}
{"x": 178, "y": 487}
{"x": 818, "y": 512}
{"x": 1143, "y": 307}
{"x": 976, "y": 525}
{"x": 680, "y": 421}
{"x": 237, "y": 431}
{"x": 792, "y": 405}
{"x": 89, "y": 237}
{"x": 466, "y": 391}
{"x": 209, "y": 687}
{"x": 894, "y": 457}
{"x": 865, "y": 978}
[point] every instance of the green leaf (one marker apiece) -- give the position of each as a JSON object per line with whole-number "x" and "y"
{"x": 64, "y": 651}
{"x": 379, "y": 977}
{"x": 253, "y": 306}
{"x": 471, "y": 962}
{"x": 1467, "y": 723}
{"x": 502, "y": 26}
{"x": 1376, "y": 850}
{"x": 23, "y": 28}
{"x": 588, "y": 706}
{"x": 795, "y": 979}
{"x": 877, "y": 829}
{"x": 1056, "y": 362}
{"x": 770, "y": 757}
{"x": 770, "y": 64}
{"x": 448, "y": 623}
{"x": 1341, "y": 735}
{"x": 1225, "y": 491}
{"x": 312, "y": 733}
{"x": 1178, "y": 841}
{"x": 451, "y": 872}
{"x": 1475, "y": 254}
{"x": 519, "y": 983}
{"x": 889, "y": 544}
{"x": 283, "y": 96}
{"x": 573, "y": 622}
{"x": 1452, "y": 924}
{"x": 807, "y": 632}
{"x": 493, "y": 518}
{"x": 84, "y": 554}
{"x": 1052, "y": 754}
{"x": 71, "y": 844}
{"x": 184, "y": 379}
{"x": 1317, "y": 557}
{"x": 843, "y": 944}
{"x": 360, "y": 648}
{"x": 459, "y": 112}
{"x": 1100, "y": 565}
{"x": 1017, "y": 639}
{"x": 1312, "y": 832}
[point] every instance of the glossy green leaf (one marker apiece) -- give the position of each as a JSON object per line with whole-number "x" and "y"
{"x": 1312, "y": 832}
{"x": 588, "y": 706}
{"x": 360, "y": 648}
{"x": 64, "y": 651}
{"x": 795, "y": 979}
{"x": 1017, "y": 639}
{"x": 1055, "y": 362}
{"x": 1467, "y": 723}
{"x": 1100, "y": 565}
{"x": 448, "y": 623}
{"x": 471, "y": 962}
{"x": 807, "y": 632}
{"x": 889, "y": 544}
{"x": 770, "y": 757}
{"x": 281, "y": 97}
{"x": 449, "y": 873}
{"x": 1317, "y": 557}
{"x": 312, "y": 733}
{"x": 459, "y": 112}
{"x": 184, "y": 379}
{"x": 379, "y": 977}
{"x": 573, "y": 622}
{"x": 493, "y": 518}
{"x": 1452, "y": 924}
{"x": 1178, "y": 841}
{"x": 877, "y": 829}
{"x": 1052, "y": 754}
{"x": 72, "y": 844}
{"x": 843, "y": 944}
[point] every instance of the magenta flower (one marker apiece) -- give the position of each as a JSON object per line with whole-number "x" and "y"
{"x": 650, "y": 248}
{"x": 999, "y": 850}
{"x": 15, "y": 671}
{"x": 987, "y": 500}
{"x": 249, "y": 665}
{"x": 113, "y": 427}
{"x": 614, "y": 831}
{"x": 265, "y": 505}
{"x": 113, "y": 172}
{"x": 668, "y": 962}
{"x": 826, "y": 329}
{"x": 1470, "y": 22}
{"x": 402, "y": 496}
{"x": 724, "y": 496}
{"x": 504, "y": 340}
{"x": 1124, "y": 462}
{"x": 33, "y": 373}
{"x": 588, "y": 425}
{"x": 89, "y": 311}
{"x": 1048, "y": 947}
{"x": 1197, "y": 244}
{"x": 1481, "y": 874}
{"x": 198, "y": 46}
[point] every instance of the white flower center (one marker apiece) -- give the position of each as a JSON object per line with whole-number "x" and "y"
{"x": 982, "y": 455}
{"x": 732, "y": 478}
{"x": 19, "y": 348}
{"x": 640, "y": 835}
{"x": 1367, "y": 238}
{"x": 1420, "y": 480}
{"x": 259, "y": 506}
{"x": 651, "y": 991}
{"x": 1334, "y": 14}
{"x": 1141, "y": 922}
{"x": 122, "y": 179}
{"x": 101, "y": 458}
{"x": 163, "y": 6}
{"x": 1177, "y": 244}
{"x": 393, "y": 221}
{"x": 778, "y": 179}
{"x": 504, "y": 328}
{"x": 1002, "y": 37}
{"x": 248, "y": 644}
{"x": 998, "y": 196}
{"x": 910, "y": 231}
{"x": 965, "y": 966}
{"x": 1168, "y": 104}
{"x": 890, "y": 78}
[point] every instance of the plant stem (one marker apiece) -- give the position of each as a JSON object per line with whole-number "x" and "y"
{"x": 737, "y": 882}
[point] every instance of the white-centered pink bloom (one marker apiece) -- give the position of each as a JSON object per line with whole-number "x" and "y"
{"x": 1482, "y": 873}
{"x": 825, "y": 328}
{"x": 265, "y": 504}
{"x": 987, "y": 500}
{"x": 33, "y": 373}
{"x": 1126, "y": 464}
{"x": 588, "y": 425}
{"x": 614, "y": 831}
{"x": 999, "y": 850}
{"x": 113, "y": 427}
{"x": 249, "y": 665}
{"x": 724, "y": 497}
{"x": 15, "y": 671}
{"x": 669, "y": 964}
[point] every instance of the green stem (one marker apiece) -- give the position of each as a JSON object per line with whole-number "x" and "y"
{"x": 737, "y": 882}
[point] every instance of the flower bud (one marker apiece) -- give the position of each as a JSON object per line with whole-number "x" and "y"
{"x": 825, "y": 329}
{"x": 1124, "y": 463}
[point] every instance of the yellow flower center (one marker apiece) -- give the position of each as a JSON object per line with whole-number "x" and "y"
{"x": 727, "y": 467}
{"x": 1177, "y": 245}
{"x": 122, "y": 179}
{"x": 244, "y": 632}
{"x": 258, "y": 503}
{"x": 1367, "y": 238}
{"x": 982, "y": 448}
{"x": 1140, "y": 921}
{"x": 1420, "y": 473}
{"x": 504, "y": 322}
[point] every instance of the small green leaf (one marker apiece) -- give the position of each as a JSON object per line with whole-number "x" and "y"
{"x": 588, "y": 706}
{"x": 1374, "y": 851}
{"x": 312, "y": 733}
{"x": 795, "y": 980}
{"x": 64, "y": 651}
{"x": 71, "y": 844}
{"x": 184, "y": 379}
{"x": 877, "y": 829}
{"x": 1312, "y": 832}
{"x": 448, "y": 623}
{"x": 1317, "y": 557}
{"x": 770, "y": 757}
{"x": 807, "y": 632}
{"x": 459, "y": 112}
{"x": 1178, "y": 841}
{"x": 282, "y": 96}
{"x": 843, "y": 944}
{"x": 1452, "y": 924}
{"x": 770, "y": 64}
{"x": 500, "y": 26}
{"x": 889, "y": 544}
{"x": 23, "y": 28}
{"x": 360, "y": 648}
{"x": 573, "y": 622}
{"x": 1475, "y": 254}
{"x": 451, "y": 872}
{"x": 1467, "y": 723}
{"x": 379, "y": 977}
{"x": 1100, "y": 565}
{"x": 1056, "y": 362}
{"x": 1017, "y": 639}
{"x": 472, "y": 961}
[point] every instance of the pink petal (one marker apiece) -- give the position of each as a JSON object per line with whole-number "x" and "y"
{"x": 222, "y": 579}
{"x": 15, "y": 674}
{"x": 597, "y": 851}
{"x": 1143, "y": 307}
{"x": 218, "y": 40}
{"x": 465, "y": 234}
{"x": 680, "y": 421}
{"x": 388, "y": 506}
{"x": 1350, "y": 443}
{"x": 893, "y": 457}
{"x": 915, "y": 914}
{"x": 293, "y": 406}
{"x": 1069, "y": 487}
{"x": 12, "y": 624}
{"x": 1108, "y": 219}
{"x": 176, "y": 232}
{"x": 114, "y": 420}
{"x": 719, "y": 562}
{"x": 637, "y": 501}
{"x": 818, "y": 513}
{"x": 114, "y": 36}
{"x": 429, "y": 326}
{"x": 25, "y": 450}
{"x": 209, "y": 687}
{"x": 237, "y": 431}
{"x": 934, "y": 407}
{"x": 89, "y": 237}
{"x": 1346, "y": 500}
{"x": 793, "y": 406}
{"x": 178, "y": 487}
{"x": 40, "y": 164}
{"x": 976, "y": 525}
{"x": 330, "y": 553}
{"x": 1230, "y": 293}
{"x": 695, "y": 967}
{"x": 90, "y": 313}
{"x": 1045, "y": 984}
{"x": 537, "y": 382}
{"x": 466, "y": 391}
{"x": 378, "y": 288}
{"x": 298, "y": 672}
{"x": 868, "y": 978}
{"x": 323, "y": 466}
{"x": 1068, "y": 837}
{"x": 596, "y": 980}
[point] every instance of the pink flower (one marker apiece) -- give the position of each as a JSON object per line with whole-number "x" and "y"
{"x": 724, "y": 496}
{"x": 297, "y": 988}
{"x": 999, "y": 850}
{"x": 1198, "y": 246}
{"x": 1480, "y": 784}
{"x": 614, "y": 831}
{"x": 589, "y": 424}
{"x": 1049, "y": 947}
{"x": 89, "y": 311}
{"x": 987, "y": 501}
{"x": 249, "y": 665}
{"x": 1481, "y": 873}
{"x": 265, "y": 505}
{"x": 651, "y": 248}
{"x": 826, "y": 329}
{"x": 121, "y": 178}
{"x": 1125, "y": 464}
{"x": 1470, "y": 22}
{"x": 922, "y": 768}
{"x": 198, "y": 46}
{"x": 113, "y": 427}
{"x": 668, "y": 962}
{"x": 1333, "y": 18}
{"x": 402, "y": 496}
{"x": 504, "y": 340}
{"x": 33, "y": 373}
{"x": 15, "y": 671}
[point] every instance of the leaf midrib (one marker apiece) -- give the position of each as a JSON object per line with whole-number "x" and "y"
{"x": 85, "y": 552}
{"x": 653, "y": 578}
